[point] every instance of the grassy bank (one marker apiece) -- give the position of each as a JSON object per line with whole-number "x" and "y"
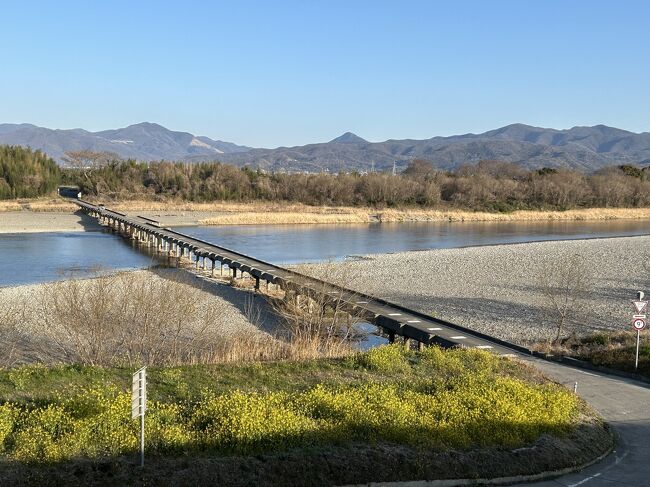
{"x": 615, "y": 350}
{"x": 388, "y": 414}
{"x": 367, "y": 215}
{"x": 225, "y": 213}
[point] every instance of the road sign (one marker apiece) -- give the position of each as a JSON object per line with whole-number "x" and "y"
{"x": 640, "y": 306}
{"x": 638, "y": 321}
{"x": 139, "y": 393}
{"x": 139, "y": 404}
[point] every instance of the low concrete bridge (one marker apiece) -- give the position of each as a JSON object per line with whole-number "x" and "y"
{"x": 395, "y": 320}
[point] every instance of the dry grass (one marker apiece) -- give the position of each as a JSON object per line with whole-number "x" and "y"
{"x": 37, "y": 204}
{"x": 367, "y": 215}
{"x": 264, "y": 213}
{"x": 9, "y": 205}
{"x": 615, "y": 350}
{"x": 254, "y": 348}
{"x": 522, "y": 215}
{"x": 284, "y": 217}
{"x": 139, "y": 318}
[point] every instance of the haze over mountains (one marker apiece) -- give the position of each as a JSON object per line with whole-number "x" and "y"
{"x": 142, "y": 141}
{"x": 582, "y": 148}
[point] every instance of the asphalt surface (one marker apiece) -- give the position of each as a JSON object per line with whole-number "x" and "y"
{"x": 625, "y": 405}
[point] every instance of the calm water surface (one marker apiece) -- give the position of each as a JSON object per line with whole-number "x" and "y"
{"x": 27, "y": 258}
{"x": 290, "y": 244}
{"x": 39, "y": 257}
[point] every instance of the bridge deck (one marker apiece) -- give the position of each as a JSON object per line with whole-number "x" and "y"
{"x": 391, "y": 317}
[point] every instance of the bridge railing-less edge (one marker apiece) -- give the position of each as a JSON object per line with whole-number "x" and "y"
{"x": 309, "y": 279}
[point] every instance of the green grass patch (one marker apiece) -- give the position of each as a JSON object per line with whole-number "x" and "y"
{"x": 434, "y": 399}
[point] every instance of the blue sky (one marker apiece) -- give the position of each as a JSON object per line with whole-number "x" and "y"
{"x": 287, "y": 73}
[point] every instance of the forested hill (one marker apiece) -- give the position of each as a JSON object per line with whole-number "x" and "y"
{"x": 582, "y": 148}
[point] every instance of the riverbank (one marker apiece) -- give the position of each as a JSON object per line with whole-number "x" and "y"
{"x": 496, "y": 289}
{"x": 384, "y": 415}
{"x": 28, "y": 215}
{"x": 26, "y": 221}
{"x": 194, "y": 319}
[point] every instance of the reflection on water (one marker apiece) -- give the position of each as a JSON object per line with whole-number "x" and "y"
{"x": 290, "y": 244}
{"x": 39, "y": 257}
{"x": 370, "y": 337}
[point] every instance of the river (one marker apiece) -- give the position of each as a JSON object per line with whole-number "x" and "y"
{"x": 40, "y": 257}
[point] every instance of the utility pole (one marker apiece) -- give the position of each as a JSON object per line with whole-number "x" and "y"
{"x": 394, "y": 164}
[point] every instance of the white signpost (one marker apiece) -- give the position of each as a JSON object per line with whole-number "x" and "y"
{"x": 639, "y": 321}
{"x": 139, "y": 404}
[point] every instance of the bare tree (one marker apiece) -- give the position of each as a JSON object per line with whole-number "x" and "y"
{"x": 86, "y": 162}
{"x": 11, "y": 338}
{"x": 321, "y": 321}
{"x": 125, "y": 318}
{"x": 564, "y": 286}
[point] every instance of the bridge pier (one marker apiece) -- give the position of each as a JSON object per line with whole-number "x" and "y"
{"x": 294, "y": 290}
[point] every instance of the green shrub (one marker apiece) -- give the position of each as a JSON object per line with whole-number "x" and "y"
{"x": 469, "y": 403}
{"x": 248, "y": 422}
{"x": 597, "y": 339}
{"x": 8, "y": 415}
{"x": 389, "y": 358}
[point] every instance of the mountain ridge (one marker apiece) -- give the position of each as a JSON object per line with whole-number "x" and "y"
{"x": 581, "y": 147}
{"x": 142, "y": 141}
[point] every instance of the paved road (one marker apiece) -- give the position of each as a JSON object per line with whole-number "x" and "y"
{"x": 625, "y": 404}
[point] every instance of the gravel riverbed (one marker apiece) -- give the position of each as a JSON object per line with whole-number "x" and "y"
{"x": 496, "y": 289}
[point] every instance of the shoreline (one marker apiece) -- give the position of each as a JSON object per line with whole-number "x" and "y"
{"x": 60, "y": 215}
{"x": 495, "y": 289}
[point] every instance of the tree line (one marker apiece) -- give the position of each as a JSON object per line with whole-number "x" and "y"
{"x": 25, "y": 173}
{"x": 488, "y": 185}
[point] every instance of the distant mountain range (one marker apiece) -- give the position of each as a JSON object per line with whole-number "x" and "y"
{"x": 143, "y": 141}
{"x": 583, "y": 148}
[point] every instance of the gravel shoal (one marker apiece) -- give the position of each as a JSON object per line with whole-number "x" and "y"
{"x": 496, "y": 290}
{"x": 31, "y": 222}
{"x": 54, "y": 221}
